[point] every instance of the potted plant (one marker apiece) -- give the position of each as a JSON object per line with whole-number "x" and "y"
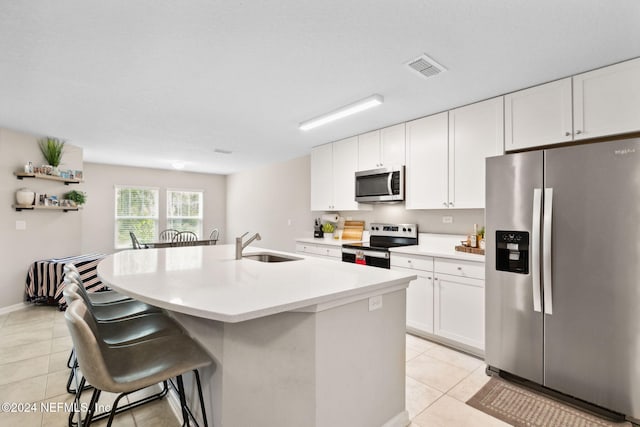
{"x": 77, "y": 197}
{"x": 51, "y": 149}
{"x": 327, "y": 230}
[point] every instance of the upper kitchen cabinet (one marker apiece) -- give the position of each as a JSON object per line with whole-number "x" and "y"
{"x": 538, "y": 116}
{"x": 607, "y": 100}
{"x": 333, "y": 168}
{"x": 382, "y": 148}
{"x": 476, "y": 132}
{"x": 427, "y": 169}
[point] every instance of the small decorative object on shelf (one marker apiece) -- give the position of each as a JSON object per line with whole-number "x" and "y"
{"x": 327, "y": 230}
{"x": 24, "y": 196}
{"x": 77, "y": 197}
{"x": 52, "y": 149}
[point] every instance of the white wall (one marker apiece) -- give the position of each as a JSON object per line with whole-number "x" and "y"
{"x": 48, "y": 234}
{"x": 99, "y": 212}
{"x": 265, "y": 199}
{"x": 429, "y": 221}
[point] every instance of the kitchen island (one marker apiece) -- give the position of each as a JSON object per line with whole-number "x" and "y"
{"x": 306, "y": 342}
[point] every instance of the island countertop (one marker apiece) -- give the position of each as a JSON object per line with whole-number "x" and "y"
{"x": 208, "y": 282}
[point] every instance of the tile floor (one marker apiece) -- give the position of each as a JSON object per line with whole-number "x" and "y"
{"x": 35, "y": 344}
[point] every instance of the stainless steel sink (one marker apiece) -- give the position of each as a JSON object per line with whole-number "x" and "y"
{"x": 269, "y": 257}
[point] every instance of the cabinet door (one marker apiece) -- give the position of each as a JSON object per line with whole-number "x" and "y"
{"x": 475, "y": 133}
{"x": 419, "y": 301}
{"x": 607, "y": 100}
{"x": 426, "y": 169}
{"x": 322, "y": 178}
{"x": 459, "y": 309}
{"x": 345, "y": 164}
{"x": 369, "y": 150}
{"x": 392, "y": 145}
{"x": 541, "y": 115}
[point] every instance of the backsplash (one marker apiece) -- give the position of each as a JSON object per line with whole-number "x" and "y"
{"x": 429, "y": 221}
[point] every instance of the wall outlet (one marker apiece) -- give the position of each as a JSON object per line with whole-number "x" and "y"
{"x": 21, "y": 225}
{"x": 375, "y": 302}
{"x": 448, "y": 219}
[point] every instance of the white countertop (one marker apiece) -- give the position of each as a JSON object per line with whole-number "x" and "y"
{"x": 438, "y": 245}
{"x": 207, "y": 281}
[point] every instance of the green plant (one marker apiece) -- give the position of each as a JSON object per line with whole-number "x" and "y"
{"x": 77, "y": 196}
{"x": 327, "y": 227}
{"x": 52, "y": 150}
{"x": 481, "y": 232}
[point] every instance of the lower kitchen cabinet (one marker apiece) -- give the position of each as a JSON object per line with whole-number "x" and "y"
{"x": 459, "y": 309}
{"x": 446, "y": 301}
{"x": 319, "y": 250}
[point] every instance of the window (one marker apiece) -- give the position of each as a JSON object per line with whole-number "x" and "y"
{"x": 184, "y": 211}
{"x": 137, "y": 211}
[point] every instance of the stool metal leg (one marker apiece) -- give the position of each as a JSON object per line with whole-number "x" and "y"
{"x": 204, "y": 412}
{"x": 183, "y": 401}
{"x": 92, "y": 407}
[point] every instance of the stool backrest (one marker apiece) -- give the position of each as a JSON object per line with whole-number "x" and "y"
{"x": 72, "y": 291}
{"x": 89, "y": 348}
{"x": 70, "y": 268}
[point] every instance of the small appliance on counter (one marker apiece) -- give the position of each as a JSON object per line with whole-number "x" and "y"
{"x": 317, "y": 229}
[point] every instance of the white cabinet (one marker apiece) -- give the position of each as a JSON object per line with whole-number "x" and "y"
{"x": 333, "y": 168}
{"x": 446, "y": 156}
{"x": 538, "y": 116}
{"x": 419, "y": 292}
{"x": 607, "y": 101}
{"x": 333, "y": 252}
{"x": 476, "y": 132}
{"x": 383, "y": 147}
{"x": 446, "y": 300}
{"x": 427, "y": 169}
{"x": 459, "y": 302}
{"x": 602, "y": 102}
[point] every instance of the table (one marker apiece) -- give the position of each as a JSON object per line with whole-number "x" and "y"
{"x": 45, "y": 278}
{"x": 158, "y": 245}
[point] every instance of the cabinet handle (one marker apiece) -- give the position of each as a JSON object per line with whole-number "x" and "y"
{"x": 451, "y": 204}
{"x": 578, "y": 132}
{"x": 567, "y": 133}
{"x": 445, "y": 204}
{"x": 409, "y": 261}
{"x": 459, "y": 268}
{"x": 428, "y": 277}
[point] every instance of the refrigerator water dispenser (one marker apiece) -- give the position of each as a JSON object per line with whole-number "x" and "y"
{"x": 512, "y": 251}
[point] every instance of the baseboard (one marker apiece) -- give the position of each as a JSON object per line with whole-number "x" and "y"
{"x": 14, "y": 307}
{"x": 400, "y": 420}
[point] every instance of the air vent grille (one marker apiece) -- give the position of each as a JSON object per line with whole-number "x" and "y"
{"x": 425, "y": 66}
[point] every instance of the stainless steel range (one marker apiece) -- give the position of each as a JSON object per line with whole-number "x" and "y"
{"x": 381, "y": 238}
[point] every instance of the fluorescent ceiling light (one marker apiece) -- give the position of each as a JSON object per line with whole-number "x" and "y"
{"x": 347, "y": 110}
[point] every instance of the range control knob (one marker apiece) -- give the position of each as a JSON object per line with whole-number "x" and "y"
{"x": 404, "y": 229}
{"x": 409, "y": 230}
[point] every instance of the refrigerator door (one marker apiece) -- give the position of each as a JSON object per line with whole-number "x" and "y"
{"x": 513, "y": 328}
{"x": 592, "y": 338}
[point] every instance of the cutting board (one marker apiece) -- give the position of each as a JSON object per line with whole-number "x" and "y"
{"x": 353, "y": 230}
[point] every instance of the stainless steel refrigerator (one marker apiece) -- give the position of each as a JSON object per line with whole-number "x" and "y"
{"x": 563, "y": 270}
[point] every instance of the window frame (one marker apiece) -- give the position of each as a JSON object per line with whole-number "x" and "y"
{"x": 156, "y": 219}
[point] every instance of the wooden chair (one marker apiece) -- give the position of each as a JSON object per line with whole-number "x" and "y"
{"x": 168, "y": 235}
{"x": 135, "y": 242}
{"x": 184, "y": 238}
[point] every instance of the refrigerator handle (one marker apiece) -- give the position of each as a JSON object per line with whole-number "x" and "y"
{"x": 535, "y": 249}
{"x": 546, "y": 250}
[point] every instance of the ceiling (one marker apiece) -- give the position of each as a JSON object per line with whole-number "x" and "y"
{"x": 153, "y": 82}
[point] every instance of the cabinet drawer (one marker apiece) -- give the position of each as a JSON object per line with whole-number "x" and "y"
{"x": 471, "y": 269}
{"x": 412, "y": 262}
{"x": 331, "y": 251}
{"x": 305, "y": 248}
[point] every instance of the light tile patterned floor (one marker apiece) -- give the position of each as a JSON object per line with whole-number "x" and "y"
{"x": 35, "y": 344}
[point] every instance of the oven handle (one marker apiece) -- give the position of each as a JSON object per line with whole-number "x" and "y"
{"x": 373, "y": 254}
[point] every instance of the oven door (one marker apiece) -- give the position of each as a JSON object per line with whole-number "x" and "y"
{"x": 366, "y": 257}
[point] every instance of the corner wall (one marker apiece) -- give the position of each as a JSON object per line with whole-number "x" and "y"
{"x": 48, "y": 234}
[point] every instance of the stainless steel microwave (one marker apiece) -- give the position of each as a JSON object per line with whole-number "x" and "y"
{"x": 380, "y": 185}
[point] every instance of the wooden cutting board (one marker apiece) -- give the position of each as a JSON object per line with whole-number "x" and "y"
{"x": 353, "y": 230}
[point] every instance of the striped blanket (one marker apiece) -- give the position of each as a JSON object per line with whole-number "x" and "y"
{"x": 45, "y": 278}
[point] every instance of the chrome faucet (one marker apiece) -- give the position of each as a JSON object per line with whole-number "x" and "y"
{"x": 240, "y": 246}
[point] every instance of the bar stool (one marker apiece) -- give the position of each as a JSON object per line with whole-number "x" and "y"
{"x": 147, "y": 363}
{"x": 102, "y": 297}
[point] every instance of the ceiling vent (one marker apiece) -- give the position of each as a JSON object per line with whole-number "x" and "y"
{"x": 425, "y": 66}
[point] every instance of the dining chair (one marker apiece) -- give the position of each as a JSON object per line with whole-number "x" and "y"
{"x": 184, "y": 238}
{"x": 168, "y": 235}
{"x": 135, "y": 242}
{"x": 215, "y": 233}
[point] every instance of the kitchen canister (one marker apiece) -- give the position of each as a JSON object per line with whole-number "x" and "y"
{"x": 24, "y": 196}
